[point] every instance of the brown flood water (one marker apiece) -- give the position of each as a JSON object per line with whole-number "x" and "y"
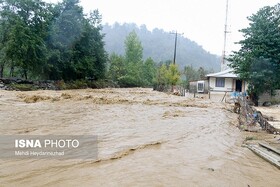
{"x": 145, "y": 138}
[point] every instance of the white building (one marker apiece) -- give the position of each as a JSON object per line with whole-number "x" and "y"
{"x": 226, "y": 81}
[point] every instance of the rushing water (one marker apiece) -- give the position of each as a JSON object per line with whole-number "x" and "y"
{"x": 145, "y": 138}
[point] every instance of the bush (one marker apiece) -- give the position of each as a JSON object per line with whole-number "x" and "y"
{"x": 128, "y": 81}
{"x": 60, "y": 85}
{"x": 78, "y": 84}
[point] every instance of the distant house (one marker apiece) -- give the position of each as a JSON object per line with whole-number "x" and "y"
{"x": 226, "y": 81}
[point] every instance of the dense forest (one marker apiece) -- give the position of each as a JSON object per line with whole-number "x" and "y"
{"x": 159, "y": 45}
{"x": 58, "y": 41}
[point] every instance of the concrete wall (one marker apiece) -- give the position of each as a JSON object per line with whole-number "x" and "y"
{"x": 266, "y": 97}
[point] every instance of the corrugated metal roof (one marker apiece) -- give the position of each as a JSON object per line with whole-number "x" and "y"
{"x": 226, "y": 74}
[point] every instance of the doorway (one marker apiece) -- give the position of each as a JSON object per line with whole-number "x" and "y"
{"x": 238, "y": 87}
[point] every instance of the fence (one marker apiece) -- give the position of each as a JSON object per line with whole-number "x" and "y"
{"x": 249, "y": 116}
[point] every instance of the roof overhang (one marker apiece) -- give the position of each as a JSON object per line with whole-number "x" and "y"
{"x": 224, "y": 74}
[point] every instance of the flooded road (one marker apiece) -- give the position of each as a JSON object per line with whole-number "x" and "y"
{"x": 145, "y": 138}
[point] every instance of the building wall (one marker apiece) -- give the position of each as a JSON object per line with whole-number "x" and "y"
{"x": 229, "y": 85}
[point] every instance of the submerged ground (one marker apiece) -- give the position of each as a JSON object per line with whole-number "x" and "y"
{"x": 145, "y": 138}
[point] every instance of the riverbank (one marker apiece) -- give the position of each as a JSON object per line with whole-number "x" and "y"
{"x": 16, "y": 84}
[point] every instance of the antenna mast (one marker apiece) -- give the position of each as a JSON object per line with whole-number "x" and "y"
{"x": 225, "y": 36}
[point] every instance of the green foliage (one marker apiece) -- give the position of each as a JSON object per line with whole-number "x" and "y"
{"x": 258, "y": 60}
{"x": 161, "y": 78}
{"x": 77, "y": 49}
{"x": 25, "y": 21}
{"x": 149, "y": 72}
{"x": 133, "y": 49}
{"x": 173, "y": 74}
{"x": 130, "y": 70}
{"x": 53, "y": 41}
{"x": 166, "y": 76}
{"x": 117, "y": 67}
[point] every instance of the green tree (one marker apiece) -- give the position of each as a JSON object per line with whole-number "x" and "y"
{"x": 149, "y": 72}
{"x": 75, "y": 43}
{"x": 173, "y": 75}
{"x": 89, "y": 56}
{"x": 258, "y": 60}
{"x": 53, "y": 41}
{"x": 133, "y": 48}
{"x": 66, "y": 31}
{"x": 161, "y": 78}
{"x": 4, "y": 33}
{"x": 117, "y": 67}
{"x": 133, "y": 62}
{"x": 27, "y": 20}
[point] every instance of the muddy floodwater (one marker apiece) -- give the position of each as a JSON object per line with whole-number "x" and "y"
{"x": 145, "y": 138}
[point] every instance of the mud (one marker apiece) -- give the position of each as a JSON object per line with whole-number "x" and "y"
{"x": 145, "y": 138}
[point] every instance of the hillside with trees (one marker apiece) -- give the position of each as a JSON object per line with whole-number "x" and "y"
{"x": 159, "y": 45}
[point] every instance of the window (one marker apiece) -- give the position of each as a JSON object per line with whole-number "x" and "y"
{"x": 200, "y": 87}
{"x": 220, "y": 82}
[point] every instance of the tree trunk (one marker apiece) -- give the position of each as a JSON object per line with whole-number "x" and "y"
{"x": 25, "y": 74}
{"x": 12, "y": 71}
{"x": 1, "y": 70}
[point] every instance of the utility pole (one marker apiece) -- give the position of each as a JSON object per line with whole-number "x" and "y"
{"x": 175, "y": 47}
{"x": 175, "y": 50}
{"x": 225, "y": 36}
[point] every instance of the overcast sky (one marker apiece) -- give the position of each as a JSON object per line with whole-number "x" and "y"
{"x": 200, "y": 20}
